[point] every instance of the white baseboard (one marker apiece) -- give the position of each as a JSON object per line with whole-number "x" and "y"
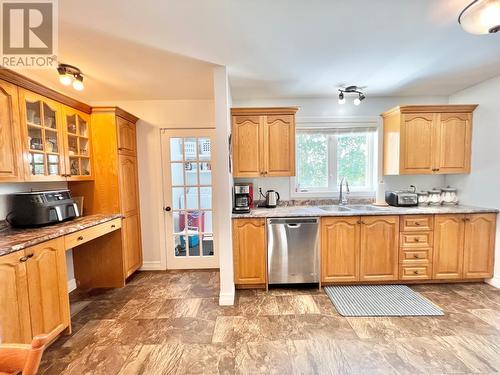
{"x": 152, "y": 266}
{"x": 227, "y": 299}
{"x": 494, "y": 282}
{"x": 71, "y": 285}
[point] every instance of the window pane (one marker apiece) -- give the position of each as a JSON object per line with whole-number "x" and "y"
{"x": 352, "y": 159}
{"x": 312, "y": 158}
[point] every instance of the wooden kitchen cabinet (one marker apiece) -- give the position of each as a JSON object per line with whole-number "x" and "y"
{"x": 263, "y": 142}
{"x": 379, "y": 248}
{"x": 48, "y": 288}
{"x": 479, "y": 246}
{"x": 34, "y": 298}
{"x": 249, "y": 250}
{"x": 15, "y": 323}
{"x": 115, "y": 189}
{"x": 448, "y": 246}
{"x": 77, "y": 144}
{"x": 42, "y": 137}
{"x": 433, "y": 139}
{"x": 11, "y": 160}
{"x": 340, "y": 246}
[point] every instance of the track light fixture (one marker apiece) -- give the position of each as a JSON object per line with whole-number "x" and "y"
{"x": 351, "y": 90}
{"x": 69, "y": 74}
{"x": 481, "y": 17}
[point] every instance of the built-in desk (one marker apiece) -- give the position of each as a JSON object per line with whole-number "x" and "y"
{"x": 33, "y": 277}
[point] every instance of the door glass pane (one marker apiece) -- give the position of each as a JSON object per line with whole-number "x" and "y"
{"x": 205, "y": 174}
{"x": 71, "y": 123}
{"x": 74, "y": 166}
{"x": 207, "y": 222}
{"x": 191, "y": 198}
{"x": 72, "y": 145}
{"x": 179, "y": 221}
{"x": 206, "y": 197}
{"x": 33, "y": 113}
{"x": 194, "y": 244}
{"x": 204, "y": 148}
{"x": 53, "y": 164}
{"x": 51, "y": 144}
{"x": 190, "y": 149}
{"x": 37, "y": 163}
{"x": 83, "y": 146}
{"x": 177, "y": 170}
{"x": 208, "y": 244}
{"x": 175, "y": 149}
{"x": 180, "y": 246}
{"x": 35, "y": 141}
{"x": 49, "y": 117}
{"x": 191, "y": 170}
{"x": 178, "y": 198}
{"x": 85, "y": 165}
{"x": 82, "y": 127}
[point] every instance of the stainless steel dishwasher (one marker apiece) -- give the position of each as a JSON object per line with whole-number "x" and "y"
{"x": 293, "y": 250}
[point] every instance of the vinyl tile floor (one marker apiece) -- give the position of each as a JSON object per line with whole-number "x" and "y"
{"x": 171, "y": 323}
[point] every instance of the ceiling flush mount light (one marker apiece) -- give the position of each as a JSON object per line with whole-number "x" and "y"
{"x": 69, "y": 74}
{"x": 351, "y": 90}
{"x": 481, "y": 17}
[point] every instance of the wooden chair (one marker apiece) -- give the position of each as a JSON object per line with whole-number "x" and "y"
{"x": 24, "y": 358}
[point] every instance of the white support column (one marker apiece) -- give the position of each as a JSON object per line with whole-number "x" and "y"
{"x": 222, "y": 102}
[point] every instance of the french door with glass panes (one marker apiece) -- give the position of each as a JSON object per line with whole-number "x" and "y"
{"x": 188, "y": 176}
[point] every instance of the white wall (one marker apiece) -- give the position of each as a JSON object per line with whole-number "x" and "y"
{"x": 155, "y": 115}
{"x": 329, "y": 108}
{"x": 481, "y": 187}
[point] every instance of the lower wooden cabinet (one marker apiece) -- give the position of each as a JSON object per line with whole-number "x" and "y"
{"x": 131, "y": 238}
{"x": 359, "y": 248}
{"x": 379, "y": 248}
{"x": 340, "y": 249}
{"x": 464, "y": 246}
{"x": 249, "y": 251}
{"x": 15, "y": 324}
{"x": 36, "y": 301}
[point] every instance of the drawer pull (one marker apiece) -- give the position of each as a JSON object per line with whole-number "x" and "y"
{"x": 23, "y": 259}
{"x": 80, "y": 238}
{"x": 417, "y": 239}
{"x": 30, "y": 255}
{"x": 113, "y": 226}
{"x": 416, "y": 256}
{"x": 417, "y": 224}
{"x": 415, "y": 272}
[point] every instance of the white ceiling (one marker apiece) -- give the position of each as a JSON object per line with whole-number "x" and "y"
{"x": 272, "y": 48}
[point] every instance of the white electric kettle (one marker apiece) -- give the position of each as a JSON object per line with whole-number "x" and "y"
{"x": 272, "y": 198}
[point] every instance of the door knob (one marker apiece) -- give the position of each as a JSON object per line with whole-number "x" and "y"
{"x": 168, "y": 208}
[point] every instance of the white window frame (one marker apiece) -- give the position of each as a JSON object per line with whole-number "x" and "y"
{"x": 311, "y": 123}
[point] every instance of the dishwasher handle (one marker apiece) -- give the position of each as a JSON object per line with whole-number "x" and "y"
{"x": 294, "y": 225}
{"x": 292, "y": 221}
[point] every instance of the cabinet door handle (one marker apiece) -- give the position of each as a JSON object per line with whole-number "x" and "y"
{"x": 80, "y": 238}
{"x": 23, "y": 259}
{"x": 30, "y": 255}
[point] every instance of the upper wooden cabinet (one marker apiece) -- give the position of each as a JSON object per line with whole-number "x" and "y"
{"x": 11, "y": 162}
{"x": 434, "y": 139}
{"x": 249, "y": 249}
{"x": 263, "y": 141}
{"x": 77, "y": 143}
{"x": 126, "y": 136}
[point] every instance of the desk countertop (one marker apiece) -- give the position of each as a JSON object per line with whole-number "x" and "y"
{"x": 15, "y": 239}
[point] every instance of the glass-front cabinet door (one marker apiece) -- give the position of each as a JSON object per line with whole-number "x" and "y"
{"x": 42, "y": 135}
{"x": 77, "y": 142}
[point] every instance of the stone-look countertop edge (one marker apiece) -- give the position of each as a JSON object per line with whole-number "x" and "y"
{"x": 309, "y": 211}
{"x": 16, "y": 239}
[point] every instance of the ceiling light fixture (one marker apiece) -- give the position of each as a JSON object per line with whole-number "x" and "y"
{"x": 69, "y": 74}
{"x": 481, "y": 17}
{"x": 351, "y": 90}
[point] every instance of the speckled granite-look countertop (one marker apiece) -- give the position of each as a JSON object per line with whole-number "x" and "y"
{"x": 360, "y": 210}
{"x": 14, "y": 239}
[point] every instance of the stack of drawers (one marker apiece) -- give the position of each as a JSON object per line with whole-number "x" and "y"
{"x": 415, "y": 247}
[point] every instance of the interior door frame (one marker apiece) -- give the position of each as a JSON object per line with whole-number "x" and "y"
{"x": 188, "y": 262}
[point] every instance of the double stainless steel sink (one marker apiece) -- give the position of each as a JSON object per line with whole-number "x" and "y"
{"x": 352, "y": 208}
